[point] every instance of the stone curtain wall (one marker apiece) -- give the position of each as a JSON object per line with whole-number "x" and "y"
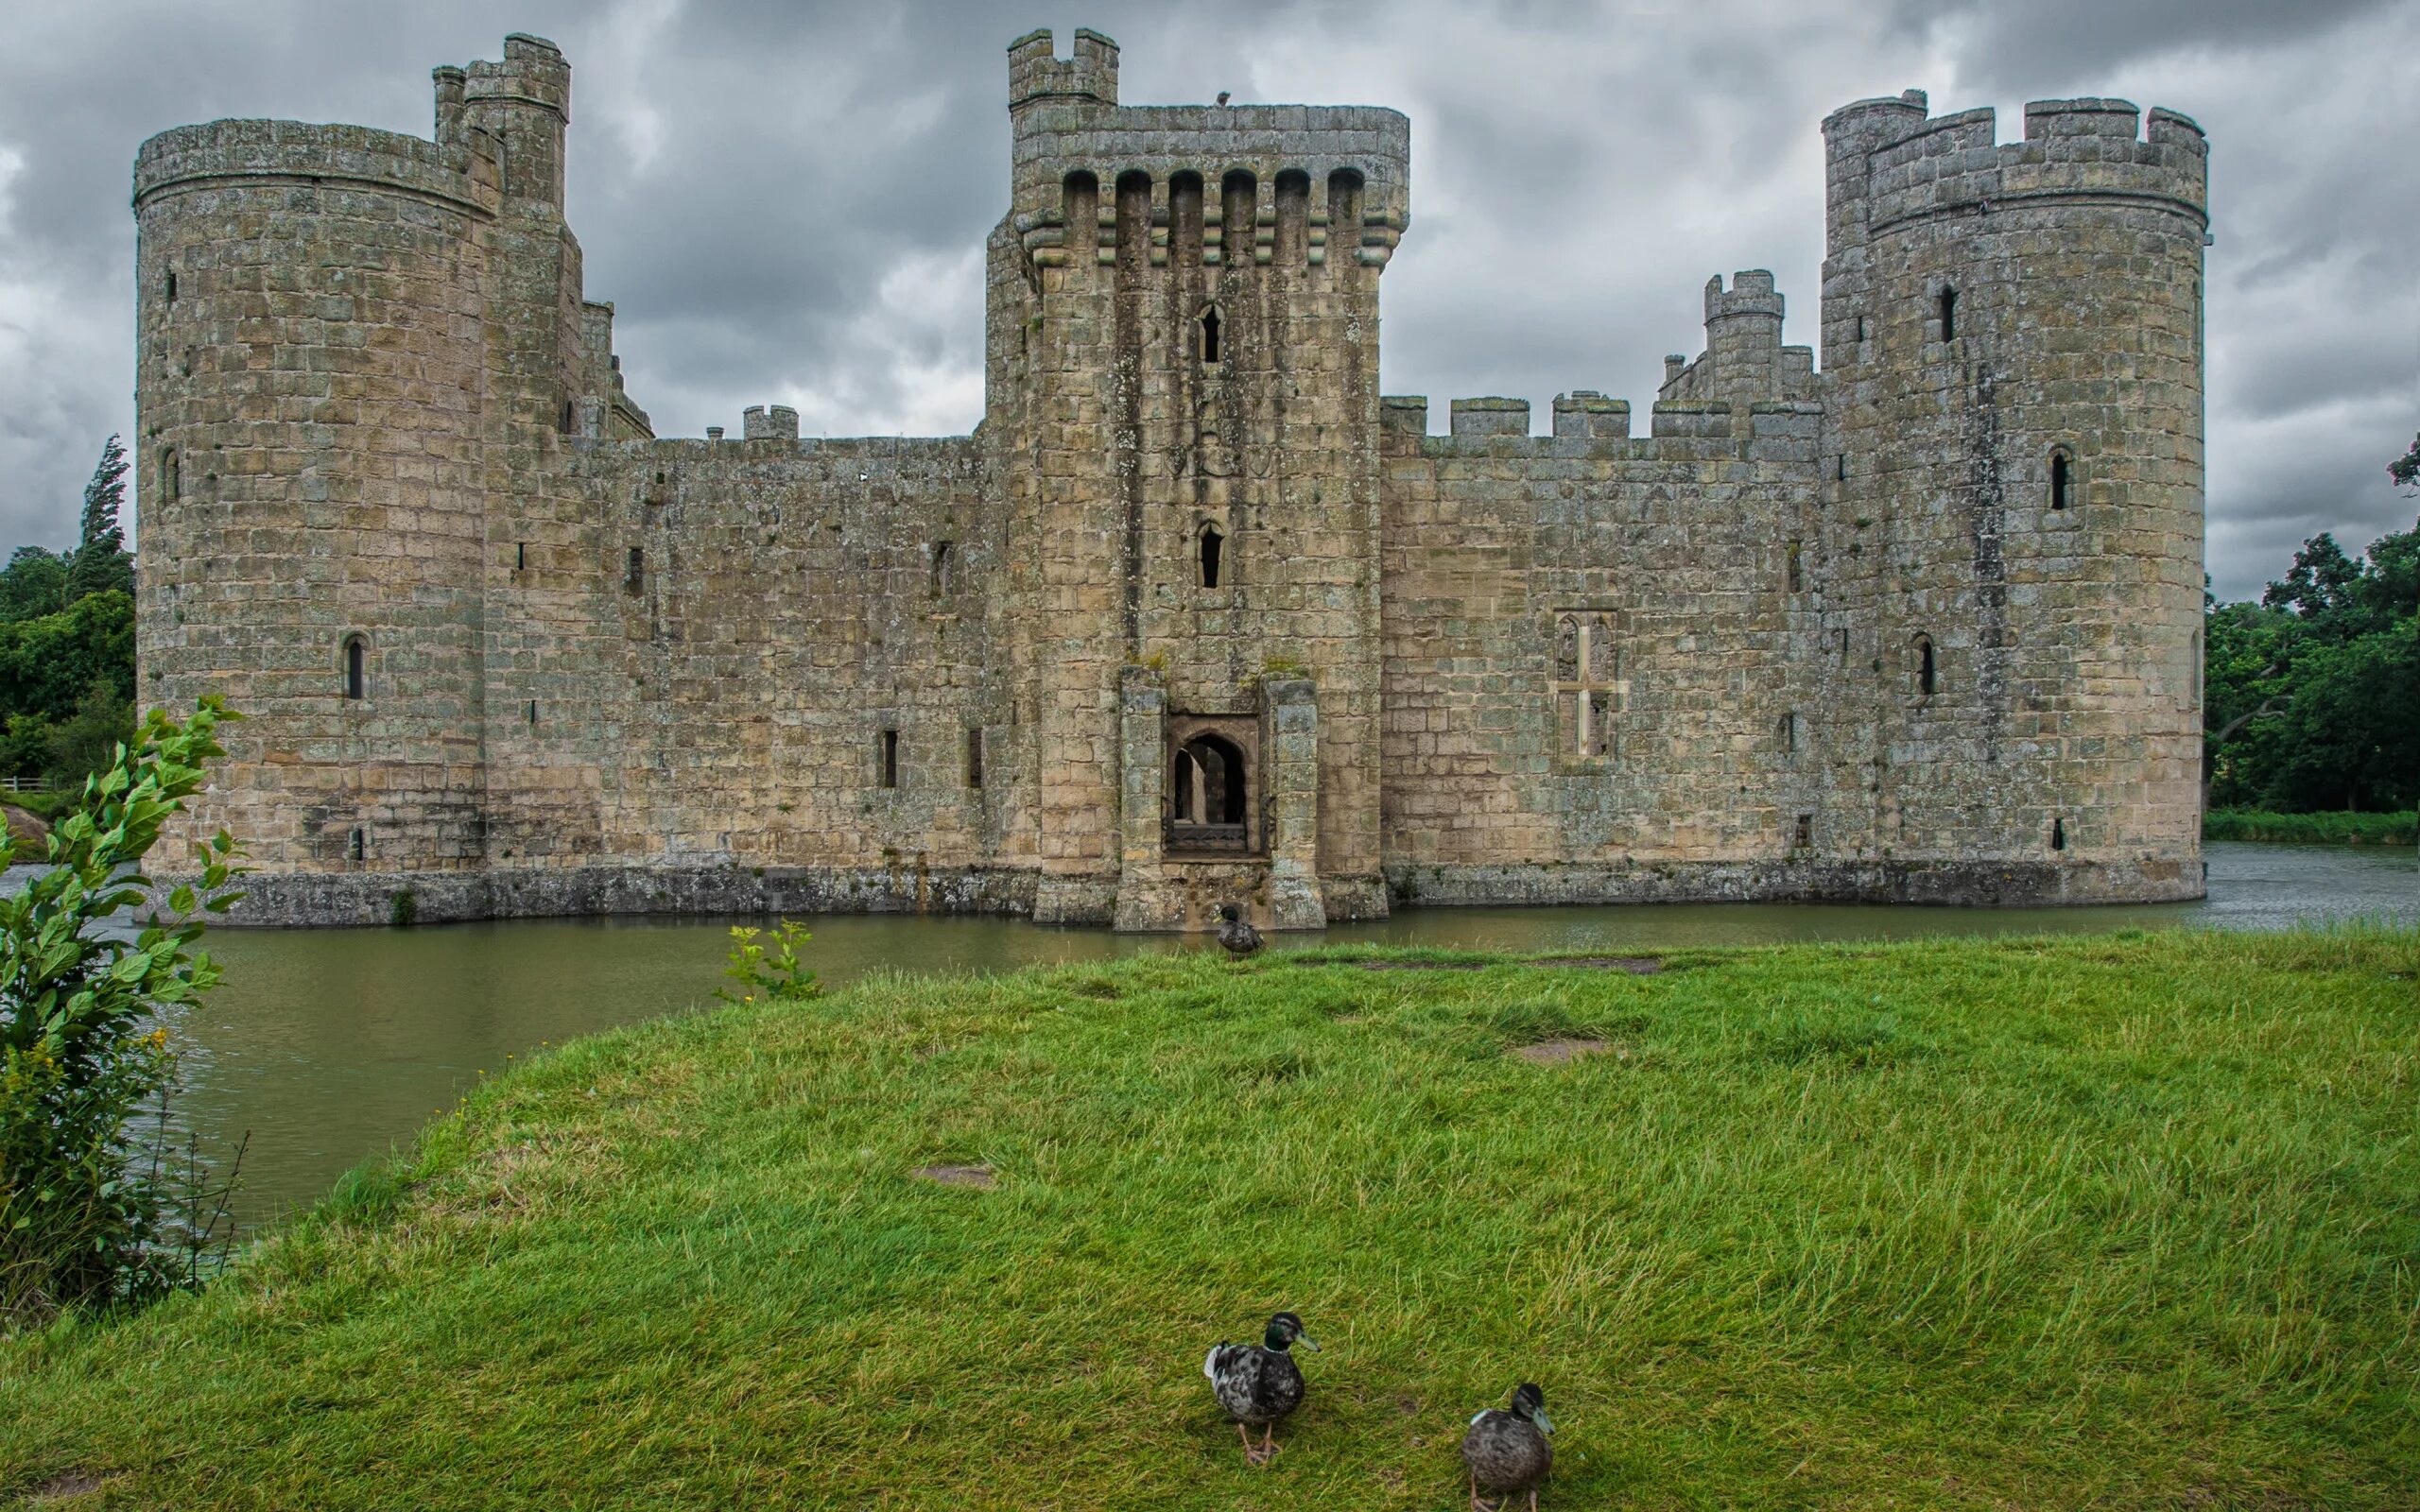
{"x": 1672, "y": 548}
{"x": 1816, "y": 634}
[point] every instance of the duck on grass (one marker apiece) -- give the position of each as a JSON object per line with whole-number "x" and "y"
{"x": 2095, "y": 1221}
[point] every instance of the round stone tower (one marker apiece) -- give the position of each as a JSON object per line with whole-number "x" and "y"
{"x": 2013, "y": 338}
{"x": 309, "y": 402}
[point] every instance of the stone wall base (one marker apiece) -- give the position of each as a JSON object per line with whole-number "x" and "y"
{"x": 1181, "y": 897}
{"x": 1964, "y": 884}
{"x": 321, "y": 899}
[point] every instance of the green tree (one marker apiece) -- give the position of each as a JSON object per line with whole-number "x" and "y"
{"x": 25, "y": 745}
{"x": 33, "y": 584}
{"x": 46, "y": 664}
{"x": 88, "y": 740}
{"x": 2309, "y": 696}
{"x": 2405, "y": 470}
{"x": 100, "y": 564}
{"x": 2350, "y": 736}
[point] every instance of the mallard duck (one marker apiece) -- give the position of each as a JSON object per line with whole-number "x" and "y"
{"x": 1509, "y": 1453}
{"x": 1258, "y": 1384}
{"x": 1240, "y": 938}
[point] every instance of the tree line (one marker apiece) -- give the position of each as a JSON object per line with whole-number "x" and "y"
{"x": 67, "y": 642}
{"x": 2311, "y": 697}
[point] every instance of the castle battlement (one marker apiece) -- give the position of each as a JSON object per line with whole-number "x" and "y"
{"x": 1905, "y": 165}
{"x": 1195, "y": 616}
{"x": 222, "y": 152}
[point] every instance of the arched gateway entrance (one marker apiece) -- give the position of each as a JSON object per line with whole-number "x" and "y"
{"x": 1210, "y": 789}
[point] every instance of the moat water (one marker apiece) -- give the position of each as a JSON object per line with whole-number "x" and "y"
{"x": 332, "y": 1046}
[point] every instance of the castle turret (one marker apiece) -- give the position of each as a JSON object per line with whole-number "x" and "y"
{"x": 1184, "y": 328}
{"x": 2014, "y": 337}
{"x": 308, "y": 378}
{"x": 524, "y": 102}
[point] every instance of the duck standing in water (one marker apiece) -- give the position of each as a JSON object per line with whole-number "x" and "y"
{"x": 1258, "y": 1384}
{"x": 1507, "y": 1452}
{"x": 1240, "y": 938}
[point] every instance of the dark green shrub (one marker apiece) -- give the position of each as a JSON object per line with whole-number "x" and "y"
{"x": 84, "y": 1210}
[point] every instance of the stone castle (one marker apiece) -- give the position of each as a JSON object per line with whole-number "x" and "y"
{"x": 1196, "y": 615}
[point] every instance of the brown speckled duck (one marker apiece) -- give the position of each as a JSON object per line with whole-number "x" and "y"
{"x": 1507, "y": 1452}
{"x": 1239, "y": 937}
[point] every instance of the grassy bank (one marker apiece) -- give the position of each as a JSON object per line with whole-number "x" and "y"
{"x": 2121, "y": 1221}
{"x": 2312, "y": 829}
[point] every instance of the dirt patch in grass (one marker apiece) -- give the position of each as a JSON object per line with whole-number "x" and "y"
{"x": 1635, "y": 965}
{"x": 65, "y": 1483}
{"x": 1562, "y": 1051}
{"x": 978, "y": 1177}
{"x": 1424, "y": 966}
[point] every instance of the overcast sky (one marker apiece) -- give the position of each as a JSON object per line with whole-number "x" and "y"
{"x": 786, "y": 201}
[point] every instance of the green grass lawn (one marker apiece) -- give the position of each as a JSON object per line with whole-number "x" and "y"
{"x": 2399, "y": 828}
{"x": 2115, "y": 1222}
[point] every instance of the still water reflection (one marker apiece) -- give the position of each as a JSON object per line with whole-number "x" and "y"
{"x": 331, "y": 1046}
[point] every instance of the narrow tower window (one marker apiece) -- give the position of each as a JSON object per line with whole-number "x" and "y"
{"x": 521, "y": 556}
{"x": 2059, "y": 479}
{"x": 1805, "y": 837}
{"x": 1213, "y": 546}
{"x": 1797, "y": 567}
{"x": 2057, "y": 834}
{"x": 634, "y": 569}
{"x": 1925, "y": 666}
{"x": 1861, "y": 328}
{"x": 887, "y": 757}
{"x": 171, "y": 477}
{"x": 1788, "y": 731}
{"x": 172, "y": 285}
{"x": 1210, "y": 334}
{"x": 356, "y": 843}
{"x": 1948, "y": 313}
{"x": 945, "y": 567}
{"x": 356, "y": 680}
{"x": 974, "y": 758}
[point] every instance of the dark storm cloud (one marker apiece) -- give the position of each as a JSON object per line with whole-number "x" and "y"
{"x": 788, "y": 201}
{"x": 2041, "y": 45}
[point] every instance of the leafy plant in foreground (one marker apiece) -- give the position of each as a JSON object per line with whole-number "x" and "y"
{"x": 779, "y": 976}
{"x": 81, "y": 1051}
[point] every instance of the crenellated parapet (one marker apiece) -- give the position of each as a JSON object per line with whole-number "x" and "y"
{"x": 1226, "y": 174}
{"x": 1893, "y": 163}
{"x": 1037, "y": 75}
{"x": 459, "y": 176}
